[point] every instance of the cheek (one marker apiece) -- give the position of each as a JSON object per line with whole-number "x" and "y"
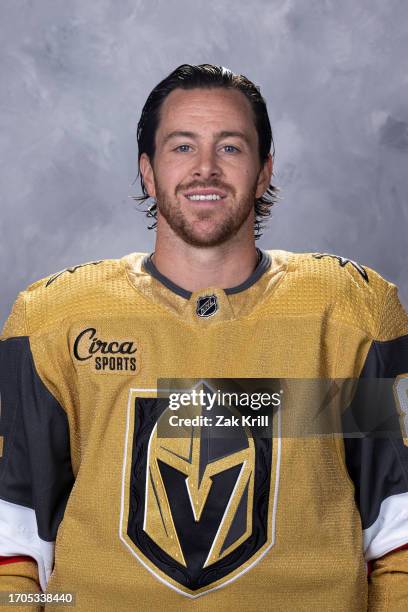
{"x": 169, "y": 176}
{"x": 248, "y": 178}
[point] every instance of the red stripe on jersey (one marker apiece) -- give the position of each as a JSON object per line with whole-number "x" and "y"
{"x": 404, "y": 546}
{"x": 400, "y": 548}
{"x": 16, "y": 559}
{"x": 370, "y": 563}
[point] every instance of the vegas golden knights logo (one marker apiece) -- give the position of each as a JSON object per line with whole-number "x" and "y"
{"x": 196, "y": 465}
{"x": 197, "y": 509}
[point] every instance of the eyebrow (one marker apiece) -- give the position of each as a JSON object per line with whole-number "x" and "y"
{"x": 218, "y": 135}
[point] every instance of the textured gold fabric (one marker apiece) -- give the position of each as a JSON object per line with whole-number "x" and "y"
{"x": 389, "y": 583}
{"x": 20, "y": 577}
{"x": 304, "y": 318}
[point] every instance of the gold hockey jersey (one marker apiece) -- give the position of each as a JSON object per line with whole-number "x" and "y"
{"x": 127, "y": 518}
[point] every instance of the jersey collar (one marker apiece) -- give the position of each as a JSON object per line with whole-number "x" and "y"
{"x": 264, "y": 263}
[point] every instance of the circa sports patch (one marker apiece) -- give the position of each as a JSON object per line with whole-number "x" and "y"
{"x": 105, "y": 353}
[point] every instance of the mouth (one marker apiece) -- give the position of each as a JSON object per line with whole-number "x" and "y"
{"x": 205, "y": 195}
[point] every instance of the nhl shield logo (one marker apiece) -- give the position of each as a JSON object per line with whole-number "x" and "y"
{"x": 207, "y": 305}
{"x": 197, "y": 510}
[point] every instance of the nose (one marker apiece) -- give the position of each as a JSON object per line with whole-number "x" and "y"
{"x": 206, "y": 165}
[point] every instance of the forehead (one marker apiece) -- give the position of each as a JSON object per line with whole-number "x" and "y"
{"x": 199, "y": 108}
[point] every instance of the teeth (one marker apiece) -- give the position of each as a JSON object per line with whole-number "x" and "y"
{"x": 211, "y": 196}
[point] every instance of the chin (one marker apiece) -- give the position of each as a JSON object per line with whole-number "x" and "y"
{"x": 205, "y": 240}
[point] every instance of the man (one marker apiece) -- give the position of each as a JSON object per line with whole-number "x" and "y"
{"x": 97, "y": 501}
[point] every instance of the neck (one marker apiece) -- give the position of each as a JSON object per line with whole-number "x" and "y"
{"x": 194, "y": 268}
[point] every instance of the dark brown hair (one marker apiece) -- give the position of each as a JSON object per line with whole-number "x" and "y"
{"x": 207, "y": 76}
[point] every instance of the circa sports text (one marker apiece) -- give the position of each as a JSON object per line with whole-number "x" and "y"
{"x": 112, "y": 354}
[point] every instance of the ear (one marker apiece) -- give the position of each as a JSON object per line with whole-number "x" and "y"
{"x": 264, "y": 178}
{"x": 146, "y": 170}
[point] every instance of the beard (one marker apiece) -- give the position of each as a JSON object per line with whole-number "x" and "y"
{"x": 187, "y": 227}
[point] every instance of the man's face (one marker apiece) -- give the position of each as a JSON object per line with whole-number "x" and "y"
{"x": 206, "y": 172}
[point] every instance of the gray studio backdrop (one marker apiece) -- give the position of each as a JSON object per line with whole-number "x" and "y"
{"x": 75, "y": 75}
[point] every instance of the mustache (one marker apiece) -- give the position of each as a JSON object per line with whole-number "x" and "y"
{"x": 200, "y": 185}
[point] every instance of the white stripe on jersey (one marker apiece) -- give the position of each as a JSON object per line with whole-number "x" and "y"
{"x": 19, "y": 536}
{"x": 390, "y": 530}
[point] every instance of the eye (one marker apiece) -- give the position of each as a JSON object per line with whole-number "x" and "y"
{"x": 183, "y": 148}
{"x": 230, "y": 149}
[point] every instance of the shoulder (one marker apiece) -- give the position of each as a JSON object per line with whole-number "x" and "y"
{"x": 350, "y": 291}
{"x": 337, "y": 272}
{"x": 87, "y": 286}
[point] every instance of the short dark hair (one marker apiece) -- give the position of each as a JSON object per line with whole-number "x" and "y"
{"x": 207, "y": 76}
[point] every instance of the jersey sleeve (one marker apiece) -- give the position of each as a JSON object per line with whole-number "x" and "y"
{"x": 376, "y": 450}
{"x": 36, "y": 476}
